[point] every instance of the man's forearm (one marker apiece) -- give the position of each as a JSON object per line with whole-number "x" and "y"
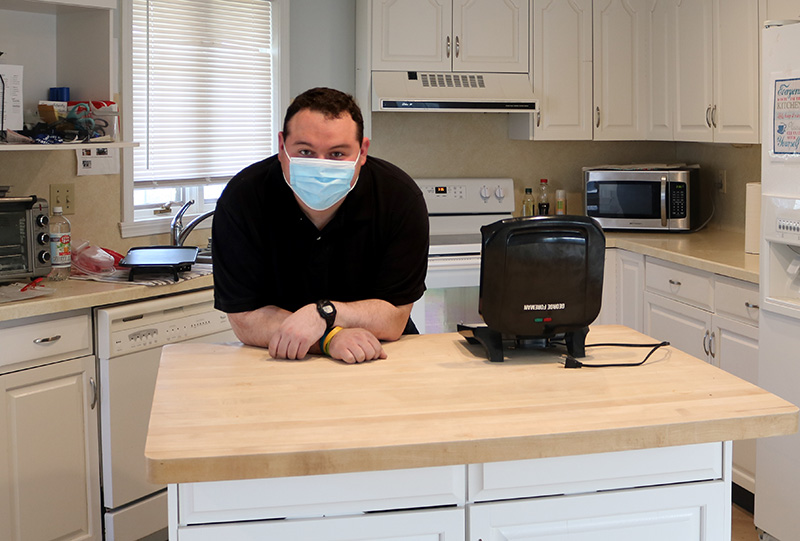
{"x": 383, "y": 319}
{"x": 256, "y": 328}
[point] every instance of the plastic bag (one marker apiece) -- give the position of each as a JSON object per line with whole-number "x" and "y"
{"x": 91, "y": 260}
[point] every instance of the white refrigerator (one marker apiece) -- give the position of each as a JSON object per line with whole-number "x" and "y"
{"x": 778, "y": 458}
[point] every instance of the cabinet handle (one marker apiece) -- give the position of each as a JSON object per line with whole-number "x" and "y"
{"x": 597, "y": 116}
{"x": 708, "y": 116}
{"x": 750, "y": 305}
{"x": 93, "y": 385}
{"x": 458, "y": 46}
{"x": 674, "y": 282}
{"x": 47, "y": 339}
{"x": 705, "y": 343}
{"x": 714, "y": 116}
{"x": 538, "y": 118}
{"x": 712, "y": 338}
{"x": 448, "y": 46}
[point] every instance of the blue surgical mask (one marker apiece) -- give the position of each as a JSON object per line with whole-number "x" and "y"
{"x": 321, "y": 183}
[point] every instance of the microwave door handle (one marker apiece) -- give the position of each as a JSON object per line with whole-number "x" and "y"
{"x": 663, "y": 201}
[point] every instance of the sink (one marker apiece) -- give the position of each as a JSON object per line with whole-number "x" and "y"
{"x": 204, "y": 256}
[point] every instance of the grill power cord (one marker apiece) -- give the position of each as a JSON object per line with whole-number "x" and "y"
{"x": 572, "y": 362}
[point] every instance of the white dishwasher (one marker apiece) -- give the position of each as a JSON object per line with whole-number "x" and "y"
{"x": 129, "y": 340}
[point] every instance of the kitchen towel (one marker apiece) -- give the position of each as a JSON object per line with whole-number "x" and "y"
{"x": 752, "y": 217}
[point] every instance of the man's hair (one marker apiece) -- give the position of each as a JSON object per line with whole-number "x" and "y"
{"x": 331, "y": 103}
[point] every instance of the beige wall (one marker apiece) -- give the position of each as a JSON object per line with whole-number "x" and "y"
{"x": 425, "y": 145}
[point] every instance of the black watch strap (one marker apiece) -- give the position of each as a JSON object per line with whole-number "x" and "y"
{"x": 327, "y": 311}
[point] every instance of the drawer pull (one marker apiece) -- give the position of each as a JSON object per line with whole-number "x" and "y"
{"x": 674, "y": 282}
{"x": 751, "y": 305}
{"x": 48, "y": 339}
{"x": 705, "y": 343}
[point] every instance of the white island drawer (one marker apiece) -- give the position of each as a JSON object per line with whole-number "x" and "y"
{"x": 592, "y": 473}
{"x": 321, "y": 495}
{"x": 681, "y": 283}
{"x": 35, "y": 340}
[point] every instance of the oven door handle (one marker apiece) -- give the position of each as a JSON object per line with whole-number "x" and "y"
{"x": 664, "y": 201}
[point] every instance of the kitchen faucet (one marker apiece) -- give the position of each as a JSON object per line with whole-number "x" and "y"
{"x": 178, "y": 233}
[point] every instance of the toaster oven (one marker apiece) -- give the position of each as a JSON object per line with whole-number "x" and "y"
{"x": 651, "y": 200}
{"x": 24, "y": 239}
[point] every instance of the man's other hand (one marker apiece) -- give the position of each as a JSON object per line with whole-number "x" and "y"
{"x": 355, "y": 346}
{"x": 297, "y": 333}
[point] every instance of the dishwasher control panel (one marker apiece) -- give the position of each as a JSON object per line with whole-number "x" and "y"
{"x": 150, "y": 324}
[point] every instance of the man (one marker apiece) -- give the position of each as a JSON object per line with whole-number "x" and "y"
{"x": 320, "y": 248}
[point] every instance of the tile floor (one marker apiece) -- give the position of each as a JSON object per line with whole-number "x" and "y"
{"x": 742, "y": 528}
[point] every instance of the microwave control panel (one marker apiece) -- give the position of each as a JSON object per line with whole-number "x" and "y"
{"x": 677, "y": 199}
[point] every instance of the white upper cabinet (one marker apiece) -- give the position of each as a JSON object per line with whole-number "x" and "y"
{"x": 781, "y": 10}
{"x": 450, "y": 35}
{"x": 620, "y": 73}
{"x": 714, "y": 67}
{"x": 562, "y": 70}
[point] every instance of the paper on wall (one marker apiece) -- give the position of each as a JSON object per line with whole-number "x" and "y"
{"x": 97, "y": 161}
{"x": 11, "y": 91}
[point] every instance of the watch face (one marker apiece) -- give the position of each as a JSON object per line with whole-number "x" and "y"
{"x": 327, "y": 308}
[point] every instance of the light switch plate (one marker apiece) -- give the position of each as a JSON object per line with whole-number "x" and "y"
{"x": 63, "y": 195}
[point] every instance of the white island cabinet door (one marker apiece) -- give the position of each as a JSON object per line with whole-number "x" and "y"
{"x": 436, "y": 525}
{"x": 634, "y": 515}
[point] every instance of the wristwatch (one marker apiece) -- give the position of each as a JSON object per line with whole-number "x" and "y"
{"x": 327, "y": 311}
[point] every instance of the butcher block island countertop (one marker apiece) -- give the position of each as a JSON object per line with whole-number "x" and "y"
{"x": 228, "y": 412}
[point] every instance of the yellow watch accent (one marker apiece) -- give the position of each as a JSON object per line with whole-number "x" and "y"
{"x": 328, "y": 338}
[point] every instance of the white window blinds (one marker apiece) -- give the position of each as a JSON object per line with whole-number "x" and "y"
{"x": 203, "y": 89}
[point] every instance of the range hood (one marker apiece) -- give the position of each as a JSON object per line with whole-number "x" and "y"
{"x": 452, "y": 92}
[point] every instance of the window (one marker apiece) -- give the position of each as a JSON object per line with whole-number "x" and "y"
{"x": 204, "y": 102}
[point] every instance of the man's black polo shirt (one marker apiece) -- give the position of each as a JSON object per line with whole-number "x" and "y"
{"x": 267, "y": 252}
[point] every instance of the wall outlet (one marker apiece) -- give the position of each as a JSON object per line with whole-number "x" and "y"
{"x": 62, "y": 195}
{"x": 722, "y": 181}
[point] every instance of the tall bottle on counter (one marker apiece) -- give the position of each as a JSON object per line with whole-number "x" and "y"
{"x": 528, "y": 204}
{"x": 543, "y": 198}
{"x": 60, "y": 246}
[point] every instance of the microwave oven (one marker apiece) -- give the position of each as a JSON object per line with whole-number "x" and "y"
{"x": 648, "y": 200}
{"x": 24, "y": 238}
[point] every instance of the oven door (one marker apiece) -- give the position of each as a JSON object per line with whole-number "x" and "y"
{"x": 453, "y": 290}
{"x": 14, "y": 258}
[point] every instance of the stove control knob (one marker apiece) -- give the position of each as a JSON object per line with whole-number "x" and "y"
{"x": 43, "y": 238}
{"x": 484, "y": 193}
{"x": 43, "y": 257}
{"x": 499, "y": 193}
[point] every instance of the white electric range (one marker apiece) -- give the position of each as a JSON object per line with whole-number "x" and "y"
{"x": 457, "y": 209}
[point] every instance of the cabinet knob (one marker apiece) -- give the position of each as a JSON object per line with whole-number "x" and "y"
{"x": 751, "y": 305}
{"x": 597, "y": 116}
{"x": 458, "y": 46}
{"x": 448, "y": 47}
{"x": 674, "y": 282}
{"x": 714, "y": 116}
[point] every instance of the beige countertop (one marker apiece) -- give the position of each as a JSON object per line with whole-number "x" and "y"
{"x": 77, "y": 294}
{"x": 713, "y": 250}
{"x": 223, "y": 412}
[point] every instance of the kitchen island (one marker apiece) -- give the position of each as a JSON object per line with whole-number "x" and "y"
{"x": 437, "y": 440}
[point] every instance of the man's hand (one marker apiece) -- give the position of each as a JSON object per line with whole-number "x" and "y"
{"x": 355, "y": 346}
{"x": 297, "y": 333}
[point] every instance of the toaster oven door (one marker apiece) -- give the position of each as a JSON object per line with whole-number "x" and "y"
{"x": 14, "y": 257}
